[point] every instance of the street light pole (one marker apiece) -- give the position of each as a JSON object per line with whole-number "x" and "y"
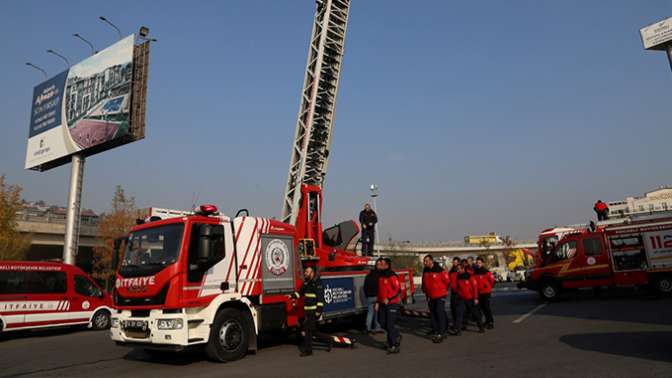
{"x": 50, "y": 51}
{"x": 93, "y": 49}
{"x": 105, "y": 20}
{"x": 46, "y": 76}
{"x": 669, "y": 54}
{"x": 374, "y": 194}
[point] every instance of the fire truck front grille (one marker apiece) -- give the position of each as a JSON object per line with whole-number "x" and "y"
{"x": 158, "y": 299}
{"x": 137, "y": 334}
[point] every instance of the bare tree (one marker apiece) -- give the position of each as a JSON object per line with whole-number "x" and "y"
{"x": 13, "y": 245}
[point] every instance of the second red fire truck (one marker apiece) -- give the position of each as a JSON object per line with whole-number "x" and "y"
{"x": 635, "y": 250}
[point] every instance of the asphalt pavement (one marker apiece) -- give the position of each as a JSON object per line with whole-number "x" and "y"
{"x": 623, "y": 333}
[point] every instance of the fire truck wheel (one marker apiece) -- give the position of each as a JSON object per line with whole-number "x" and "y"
{"x": 229, "y": 336}
{"x": 549, "y": 290}
{"x": 664, "y": 284}
{"x": 101, "y": 320}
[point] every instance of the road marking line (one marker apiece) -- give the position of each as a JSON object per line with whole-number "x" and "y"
{"x": 522, "y": 318}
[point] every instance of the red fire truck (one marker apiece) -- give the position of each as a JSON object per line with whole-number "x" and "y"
{"x": 212, "y": 281}
{"x": 635, "y": 250}
{"x": 217, "y": 282}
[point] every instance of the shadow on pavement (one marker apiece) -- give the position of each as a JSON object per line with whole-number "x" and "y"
{"x": 46, "y": 332}
{"x": 655, "y": 346}
{"x": 196, "y": 354}
{"x": 182, "y": 358}
{"x": 615, "y": 305}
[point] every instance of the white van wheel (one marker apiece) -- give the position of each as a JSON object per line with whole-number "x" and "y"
{"x": 100, "y": 320}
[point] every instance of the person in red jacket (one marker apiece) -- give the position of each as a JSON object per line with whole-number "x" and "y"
{"x": 388, "y": 305}
{"x": 452, "y": 274}
{"x": 435, "y": 283}
{"x": 485, "y": 281}
{"x": 602, "y": 210}
{"x": 467, "y": 294}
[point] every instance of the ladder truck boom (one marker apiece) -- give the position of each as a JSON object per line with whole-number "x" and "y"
{"x": 312, "y": 140}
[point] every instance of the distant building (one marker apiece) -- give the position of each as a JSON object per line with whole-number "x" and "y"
{"x": 39, "y": 211}
{"x": 656, "y": 200}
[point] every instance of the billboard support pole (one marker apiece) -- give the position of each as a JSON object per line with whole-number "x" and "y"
{"x": 73, "y": 217}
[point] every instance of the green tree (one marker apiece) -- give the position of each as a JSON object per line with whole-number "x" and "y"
{"x": 113, "y": 225}
{"x": 13, "y": 245}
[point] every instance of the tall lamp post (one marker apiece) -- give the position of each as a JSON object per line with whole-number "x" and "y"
{"x": 374, "y": 194}
{"x": 31, "y": 65}
{"x": 93, "y": 49}
{"x": 105, "y": 20}
{"x": 52, "y": 52}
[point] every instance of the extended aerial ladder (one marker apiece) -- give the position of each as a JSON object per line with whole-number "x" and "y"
{"x": 312, "y": 141}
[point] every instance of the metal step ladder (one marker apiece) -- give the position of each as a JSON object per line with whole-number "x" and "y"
{"x": 312, "y": 141}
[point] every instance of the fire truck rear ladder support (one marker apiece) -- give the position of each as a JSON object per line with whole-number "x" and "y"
{"x": 312, "y": 141}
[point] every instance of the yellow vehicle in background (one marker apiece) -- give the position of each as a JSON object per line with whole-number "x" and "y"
{"x": 490, "y": 238}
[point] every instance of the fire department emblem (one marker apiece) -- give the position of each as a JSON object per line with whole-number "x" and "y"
{"x": 328, "y": 296}
{"x": 277, "y": 257}
{"x": 591, "y": 260}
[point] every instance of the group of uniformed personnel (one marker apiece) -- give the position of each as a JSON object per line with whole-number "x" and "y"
{"x": 470, "y": 287}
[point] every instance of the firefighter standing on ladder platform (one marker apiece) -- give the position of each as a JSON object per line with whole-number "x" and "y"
{"x": 313, "y": 305}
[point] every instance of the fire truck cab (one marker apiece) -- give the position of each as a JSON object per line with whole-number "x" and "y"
{"x": 629, "y": 251}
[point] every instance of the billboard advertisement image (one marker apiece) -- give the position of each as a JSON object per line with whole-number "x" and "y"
{"x": 85, "y": 109}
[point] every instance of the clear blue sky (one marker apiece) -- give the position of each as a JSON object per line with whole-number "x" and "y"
{"x": 471, "y": 116}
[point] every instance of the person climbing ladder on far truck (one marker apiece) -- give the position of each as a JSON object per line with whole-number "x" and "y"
{"x": 313, "y": 306}
{"x": 485, "y": 282}
{"x": 388, "y": 305}
{"x": 602, "y": 210}
{"x": 435, "y": 283}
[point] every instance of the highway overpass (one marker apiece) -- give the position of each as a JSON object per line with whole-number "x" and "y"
{"x": 47, "y": 236}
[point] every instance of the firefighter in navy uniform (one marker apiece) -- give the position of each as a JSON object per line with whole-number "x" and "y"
{"x": 313, "y": 305}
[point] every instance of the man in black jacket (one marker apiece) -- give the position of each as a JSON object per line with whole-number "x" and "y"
{"x": 368, "y": 220}
{"x": 452, "y": 273}
{"x": 313, "y": 305}
{"x": 371, "y": 293}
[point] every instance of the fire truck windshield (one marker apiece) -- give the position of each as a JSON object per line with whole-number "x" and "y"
{"x": 150, "y": 250}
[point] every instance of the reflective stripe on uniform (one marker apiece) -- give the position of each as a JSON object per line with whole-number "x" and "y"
{"x": 311, "y": 295}
{"x": 320, "y": 304}
{"x": 310, "y": 307}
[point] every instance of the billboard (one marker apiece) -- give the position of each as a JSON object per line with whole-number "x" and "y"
{"x": 657, "y": 36}
{"x": 90, "y": 107}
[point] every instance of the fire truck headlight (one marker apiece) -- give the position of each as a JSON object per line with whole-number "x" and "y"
{"x": 114, "y": 323}
{"x": 169, "y": 324}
